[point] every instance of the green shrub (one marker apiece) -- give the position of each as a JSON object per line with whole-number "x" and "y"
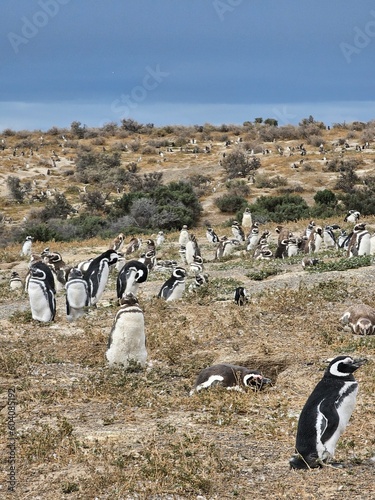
{"x": 230, "y": 203}
{"x": 281, "y": 208}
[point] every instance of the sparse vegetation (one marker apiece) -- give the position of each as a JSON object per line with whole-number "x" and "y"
{"x": 87, "y": 431}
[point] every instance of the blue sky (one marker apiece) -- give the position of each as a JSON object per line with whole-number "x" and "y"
{"x": 185, "y": 61}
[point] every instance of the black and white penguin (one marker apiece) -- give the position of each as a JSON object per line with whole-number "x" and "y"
{"x": 326, "y": 414}
{"x": 225, "y": 247}
{"x": 343, "y": 240}
{"x": 130, "y": 277}
{"x": 174, "y": 287}
{"x": 127, "y": 339}
{"x": 329, "y": 237}
{"x": 240, "y": 296}
{"x": 200, "y": 280}
{"x": 360, "y": 318}
{"x": 26, "y": 247}
{"x": 238, "y": 232}
{"x": 191, "y": 249}
{"x": 352, "y": 216}
{"x": 211, "y": 236}
{"x": 77, "y": 295}
{"x": 253, "y": 238}
{"x": 40, "y": 287}
{"x": 197, "y": 265}
{"x": 233, "y": 377}
{"x": 360, "y": 241}
{"x": 149, "y": 259}
{"x": 15, "y": 282}
{"x": 97, "y": 274}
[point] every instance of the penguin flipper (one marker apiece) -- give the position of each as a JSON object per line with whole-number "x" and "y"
{"x": 330, "y": 420}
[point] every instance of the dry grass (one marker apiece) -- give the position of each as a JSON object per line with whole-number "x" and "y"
{"x": 85, "y": 431}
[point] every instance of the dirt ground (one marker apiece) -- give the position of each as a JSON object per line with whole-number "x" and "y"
{"x": 85, "y": 431}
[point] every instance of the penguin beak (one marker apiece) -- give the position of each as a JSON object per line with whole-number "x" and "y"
{"x": 266, "y": 381}
{"x": 359, "y": 362}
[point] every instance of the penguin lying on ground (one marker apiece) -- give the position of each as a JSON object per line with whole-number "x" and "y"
{"x": 360, "y": 319}
{"x": 230, "y": 376}
{"x": 326, "y": 414}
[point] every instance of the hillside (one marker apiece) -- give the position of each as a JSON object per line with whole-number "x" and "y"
{"x": 87, "y": 431}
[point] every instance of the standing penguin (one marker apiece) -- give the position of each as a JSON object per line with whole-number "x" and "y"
{"x": 360, "y": 241}
{"x": 247, "y": 219}
{"x": 127, "y": 339}
{"x": 240, "y": 296}
{"x": 130, "y": 277}
{"x": 211, "y": 236}
{"x": 184, "y": 236}
{"x": 26, "y": 247}
{"x": 174, "y": 287}
{"x": 238, "y": 232}
{"x": 41, "y": 289}
{"x": 15, "y": 282}
{"x": 160, "y": 239}
{"x": 326, "y": 414}
{"x": 97, "y": 274}
{"x": 77, "y": 295}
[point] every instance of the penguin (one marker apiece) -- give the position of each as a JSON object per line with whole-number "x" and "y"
{"x": 309, "y": 229}
{"x": 118, "y": 242}
{"x": 149, "y": 259}
{"x": 77, "y": 295}
{"x": 326, "y": 414}
{"x": 352, "y": 216}
{"x": 184, "y": 236}
{"x": 247, "y": 219}
{"x": 360, "y": 319}
{"x": 97, "y": 274}
{"x": 191, "y": 249}
{"x": 253, "y": 238}
{"x": 15, "y": 282}
{"x": 53, "y": 259}
{"x": 200, "y": 280}
{"x": 343, "y": 240}
{"x": 196, "y": 266}
{"x": 133, "y": 246}
{"x": 160, "y": 239}
{"x": 238, "y": 232}
{"x": 360, "y": 241}
{"x": 233, "y": 377}
{"x": 263, "y": 252}
{"x": 240, "y": 296}
{"x": 309, "y": 261}
{"x": 26, "y": 247}
{"x": 329, "y": 238}
{"x": 130, "y": 277}
{"x": 127, "y": 339}
{"x": 211, "y": 236}
{"x": 174, "y": 287}
{"x": 40, "y": 287}
{"x": 225, "y": 247}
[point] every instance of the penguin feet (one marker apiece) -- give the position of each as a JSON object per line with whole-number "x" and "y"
{"x": 298, "y": 462}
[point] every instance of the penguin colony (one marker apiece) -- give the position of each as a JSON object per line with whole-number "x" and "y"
{"x": 328, "y": 409}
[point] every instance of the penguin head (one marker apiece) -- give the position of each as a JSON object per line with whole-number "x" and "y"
{"x": 343, "y": 366}
{"x": 129, "y": 299}
{"x": 179, "y": 273}
{"x": 75, "y": 273}
{"x": 255, "y": 380}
